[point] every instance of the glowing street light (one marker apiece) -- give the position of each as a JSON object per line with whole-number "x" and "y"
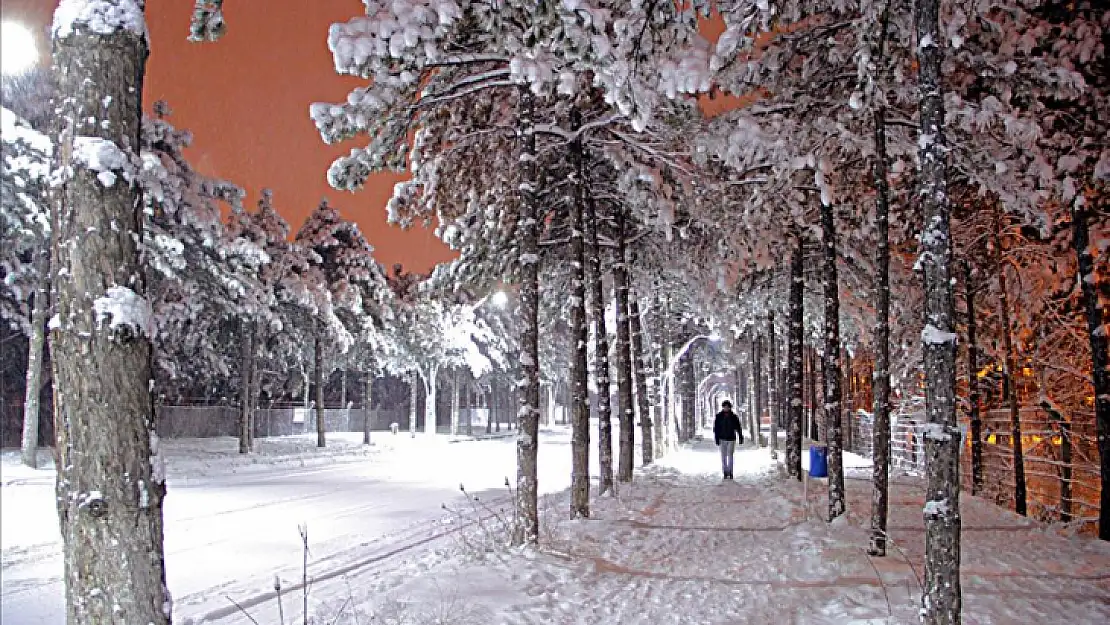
{"x": 500, "y": 299}
{"x": 18, "y": 52}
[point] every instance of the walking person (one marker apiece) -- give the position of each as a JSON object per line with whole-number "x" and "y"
{"x": 726, "y": 432}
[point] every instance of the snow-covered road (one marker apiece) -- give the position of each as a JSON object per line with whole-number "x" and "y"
{"x": 230, "y": 533}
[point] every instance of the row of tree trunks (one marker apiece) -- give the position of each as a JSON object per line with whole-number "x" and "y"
{"x": 976, "y": 423}
{"x": 596, "y": 316}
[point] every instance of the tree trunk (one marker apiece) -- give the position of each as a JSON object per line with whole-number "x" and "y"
{"x": 757, "y": 386}
{"x": 687, "y": 392}
{"x": 1100, "y": 367}
{"x": 596, "y": 314}
{"x": 455, "y": 403}
{"x": 772, "y": 392}
{"x": 666, "y": 396}
{"x": 847, "y": 396}
{"x": 942, "y": 599}
{"x": 1009, "y": 377}
{"x": 414, "y": 399}
{"x": 30, "y": 443}
{"x": 430, "y": 397}
{"x": 642, "y": 361}
{"x": 880, "y": 379}
{"x": 815, "y": 433}
{"x": 110, "y": 480}
{"x": 246, "y": 376}
{"x": 831, "y": 368}
{"x": 976, "y": 424}
{"x": 368, "y": 406}
{"x": 626, "y": 453}
{"x": 343, "y": 388}
{"x": 579, "y": 335}
{"x": 527, "y": 528}
{"x": 794, "y": 359}
{"x": 318, "y": 374}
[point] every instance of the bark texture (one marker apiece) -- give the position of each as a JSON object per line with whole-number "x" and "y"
{"x": 596, "y": 310}
{"x": 29, "y": 445}
{"x": 831, "y": 365}
{"x": 1009, "y": 380}
{"x": 110, "y": 485}
{"x": 1100, "y": 367}
{"x": 772, "y": 391}
{"x": 794, "y": 337}
{"x": 318, "y": 380}
{"x": 687, "y": 392}
{"x": 626, "y": 452}
{"x": 527, "y": 530}
{"x": 641, "y": 360}
{"x": 880, "y": 380}
{"x": 246, "y": 379}
{"x": 579, "y": 372}
{"x": 976, "y": 425}
{"x": 942, "y": 598}
{"x": 368, "y": 406}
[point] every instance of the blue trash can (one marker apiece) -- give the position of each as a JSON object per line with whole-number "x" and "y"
{"x": 818, "y": 461}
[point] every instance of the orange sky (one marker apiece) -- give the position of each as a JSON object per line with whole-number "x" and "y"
{"x": 246, "y": 97}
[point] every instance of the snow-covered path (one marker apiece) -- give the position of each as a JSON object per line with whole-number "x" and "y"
{"x": 230, "y": 533}
{"x": 681, "y": 547}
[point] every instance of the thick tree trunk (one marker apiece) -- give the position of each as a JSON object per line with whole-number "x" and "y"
{"x": 318, "y": 375}
{"x": 794, "y": 358}
{"x": 880, "y": 379}
{"x": 625, "y": 458}
{"x": 831, "y": 368}
{"x": 110, "y": 480}
{"x": 815, "y": 432}
{"x": 527, "y": 528}
{"x": 246, "y": 377}
{"x": 666, "y": 395}
{"x": 772, "y": 391}
{"x": 596, "y": 310}
{"x": 942, "y": 599}
{"x": 368, "y": 406}
{"x": 1009, "y": 377}
{"x": 976, "y": 425}
{"x": 579, "y": 335}
{"x": 1100, "y": 367}
{"x": 30, "y": 443}
{"x": 414, "y": 398}
{"x": 642, "y": 361}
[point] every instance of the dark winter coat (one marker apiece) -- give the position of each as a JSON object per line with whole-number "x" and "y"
{"x": 726, "y": 427}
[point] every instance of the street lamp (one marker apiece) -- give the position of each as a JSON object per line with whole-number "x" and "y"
{"x": 499, "y": 299}
{"x": 18, "y": 52}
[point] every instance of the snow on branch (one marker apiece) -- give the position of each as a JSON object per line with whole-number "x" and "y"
{"x": 103, "y": 157}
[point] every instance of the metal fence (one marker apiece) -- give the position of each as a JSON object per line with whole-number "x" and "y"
{"x": 1060, "y": 458}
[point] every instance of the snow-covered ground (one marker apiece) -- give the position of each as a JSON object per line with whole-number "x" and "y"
{"x": 677, "y": 546}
